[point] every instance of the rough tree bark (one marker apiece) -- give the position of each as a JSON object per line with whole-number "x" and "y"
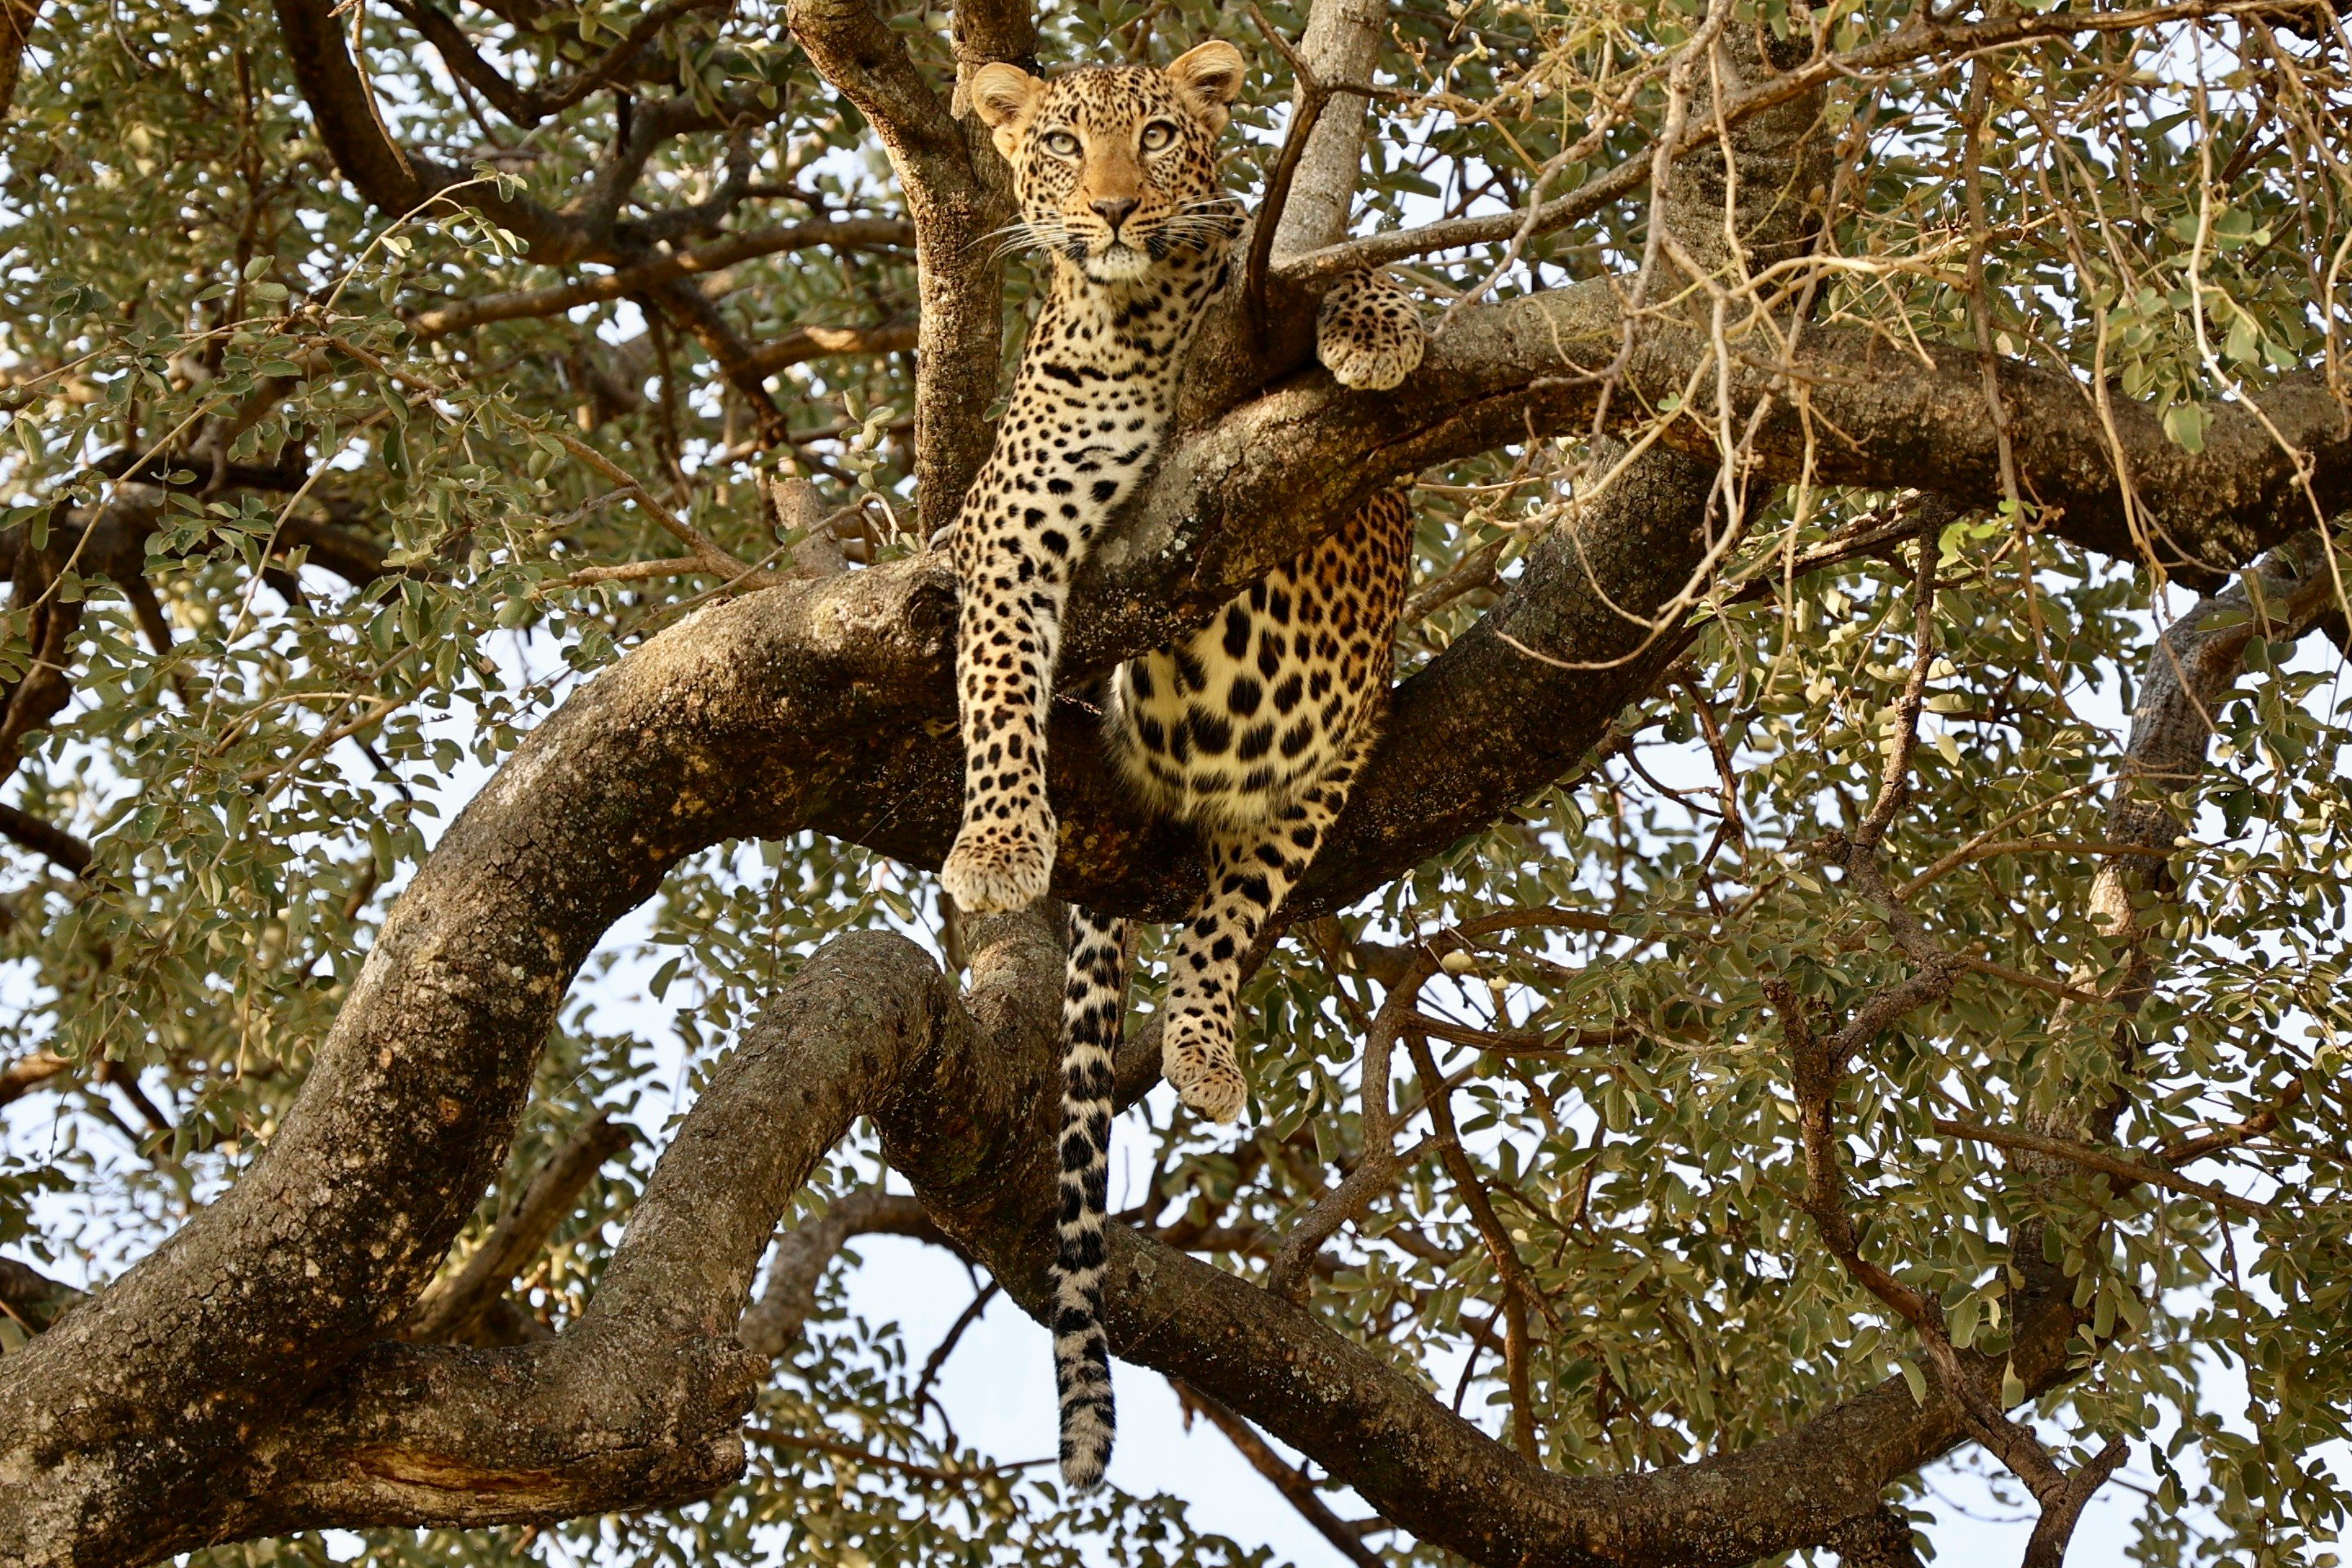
{"x": 18, "y": 18}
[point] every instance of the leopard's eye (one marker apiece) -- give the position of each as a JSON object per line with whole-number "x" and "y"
{"x": 1158, "y": 135}
{"x": 1062, "y": 144}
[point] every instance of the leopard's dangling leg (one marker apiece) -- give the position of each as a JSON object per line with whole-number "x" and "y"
{"x": 1093, "y": 1005}
{"x": 1251, "y": 870}
{"x": 1008, "y": 641}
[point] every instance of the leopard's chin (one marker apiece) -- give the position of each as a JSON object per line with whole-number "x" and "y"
{"x": 1118, "y": 262}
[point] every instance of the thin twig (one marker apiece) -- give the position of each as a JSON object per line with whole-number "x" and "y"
{"x": 2255, "y": 1126}
{"x": 1979, "y": 303}
{"x": 1518, "y": 1292}
{"x": 1295, "y": 1489}
{"x": 1919, "y": 39}
{"x": 1313, "y": 96}
{"x": 2100, "y": 1159}
{"x": 1968, "y": 854}
{"x": 954, "y": 1336}
{"x": 1895, "y": 783}
{"x": 721, "y": 562}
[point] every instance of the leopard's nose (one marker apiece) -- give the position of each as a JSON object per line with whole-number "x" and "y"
{"x": 1114, "y": 212}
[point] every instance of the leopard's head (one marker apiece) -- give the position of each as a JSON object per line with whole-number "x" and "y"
{"x": 1116, "y": 168}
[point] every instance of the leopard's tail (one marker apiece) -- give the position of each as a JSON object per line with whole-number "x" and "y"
{"x": 1093, "y": 1008}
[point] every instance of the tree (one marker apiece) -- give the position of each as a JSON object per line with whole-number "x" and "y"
{"x": 1837, "y": 410}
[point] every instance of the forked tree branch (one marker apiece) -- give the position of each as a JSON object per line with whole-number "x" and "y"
{"x": 528, "y": 106}
{"x": 454, "y": 1307}
{"x": 342, "y": 104}
{"x": 1428, "y": 1474}
{"x": 637, "y": 1403}
{"x": 448, "y": 1019}
{"x": 957, "y": 193}
{"x": 1310, "y": 195}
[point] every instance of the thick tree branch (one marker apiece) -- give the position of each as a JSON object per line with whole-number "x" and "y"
{"x": 415, "y": 1092}
{"x": 1340, "y": 46}
{"x": 16, "y": 21}
{"x": 29, "y": 1072}
{"x": 2191, "y": 671}
{"x": 807, "y": 706}
{"x": 466, "y": 63}
{"x": 637, "y": 1403}
{"x": 957, "y": 193}
{"x": 1879, "y": 1539}
{"x": 2188, "y": 677}
{"x": 2063, "y": 1507}
{"x": 986, "y": 31}
{"x": 71, "y": 855}
{"x": 988, "y": 1183}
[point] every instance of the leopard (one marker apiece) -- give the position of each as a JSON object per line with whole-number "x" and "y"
{"x": 1251, "y": 731}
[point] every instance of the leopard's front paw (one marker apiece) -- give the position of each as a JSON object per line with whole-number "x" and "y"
{"x": 1197, "y": 1056}
{"x": 996, "y": 868}
{"x": 1369, "y": 334}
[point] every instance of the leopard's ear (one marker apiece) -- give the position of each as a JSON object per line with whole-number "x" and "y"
{"x": 1209, "y": 79}
{"x": 1005, "y": 96}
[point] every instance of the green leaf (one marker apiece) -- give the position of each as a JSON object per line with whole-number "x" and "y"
{"x": 2184, "y": 425}
{"x": 2245, "y": 343}
{"x": 1962, "y": 1322}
